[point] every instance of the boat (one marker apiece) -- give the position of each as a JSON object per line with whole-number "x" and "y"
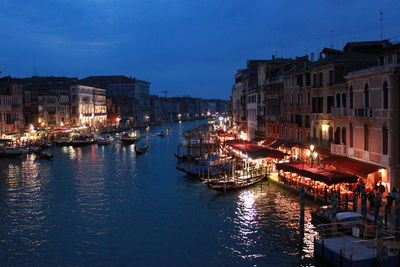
{"x": 63, "y": 138}
{"x": 160, "y": 134}
{"x": 12, "y": 151}
{"x": 128, "y": 138}
{"x": 225, "y": 184}
{"x": 82, "y": 140}
{"x": 323, "y": 215}
{"x": 106, "y": 140}
{"x": 44, "y": 155}
{"x": 142, "y": 150}
{"x": 62, "y": 142}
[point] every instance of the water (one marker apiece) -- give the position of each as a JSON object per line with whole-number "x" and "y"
{"x": 103, "y": 206}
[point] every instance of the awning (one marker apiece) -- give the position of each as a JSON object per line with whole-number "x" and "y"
{"x": 327, "y": 176}
{"x": 255, "y": 151}
{"x": 289, "y": 145}
{"x": 276, "y": 144}
{"x": 352, "y": 166}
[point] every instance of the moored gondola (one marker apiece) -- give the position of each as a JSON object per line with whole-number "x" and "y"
{"x": 142, "y": 150}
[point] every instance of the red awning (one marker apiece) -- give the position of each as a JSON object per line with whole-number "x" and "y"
{"x": 255, "y": 151}
{"x": 327, "y": 176}
{"x": 352, "y": 166}
{"x": 276, "y": 144}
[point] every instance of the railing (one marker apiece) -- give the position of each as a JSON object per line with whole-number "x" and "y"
{"x": 340, "y": 112}
{"x": 363, "y": 112}
{"x": 383, "y": 113}
{"x": 338, "y": 149}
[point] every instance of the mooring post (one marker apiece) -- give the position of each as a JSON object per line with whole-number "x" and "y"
{"x": 397, "y": 218}
{"x": 301, "y": 218}
{"x": 346, "y": 202}
{"x": 379, "y": 236}
{"x": 363, "y": 202}
{"x": 355, "y": 199}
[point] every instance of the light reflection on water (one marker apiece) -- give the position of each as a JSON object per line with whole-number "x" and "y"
{"x": 102, "y": 205}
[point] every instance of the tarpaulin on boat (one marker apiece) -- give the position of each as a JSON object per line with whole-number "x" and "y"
{"x": 352, "y": 166}
{"x": 327, "y": 176}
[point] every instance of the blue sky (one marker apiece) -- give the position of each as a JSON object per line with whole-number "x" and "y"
{"x": 183, "y": 46}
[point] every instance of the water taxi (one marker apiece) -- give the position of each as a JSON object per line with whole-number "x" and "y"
{"x": 128, "y": 138}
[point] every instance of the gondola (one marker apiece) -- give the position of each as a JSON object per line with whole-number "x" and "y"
{"x": 160, "y": 134}
{"x": 143, "y": 150}
{"x": 44, "y": 155}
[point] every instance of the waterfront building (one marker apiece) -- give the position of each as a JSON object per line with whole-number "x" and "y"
{"x": 88, "y": 106}
{"x": 370, "y": 121}
{"x": 11, "y": 108}
{"x": 339, "y": 112}
{"x": 47, "y": 101}
{"x": 122, "y": 86}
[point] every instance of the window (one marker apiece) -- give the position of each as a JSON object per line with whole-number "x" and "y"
{"x": 385, "y": 93}
{"x": 351, "y": 97}
{"x": 321, "y": 79}
{"x": 385, "y": 140}
{"x": 366, "y": 138}
{"x": 330, "y": 104}
{"x": 381, "y": 61}
{"x": 337, "y": 135}
{"x": 351, "y": 134}
{"x": 330, "y": 77}
{"x": 307, "y": 121}
{"x": 314, "y": 80}
{"x": 338, "y": 100}
{"x": 343, "y": 135}
{"x": 344, "y": 100}
{"x": 366, "y": 96}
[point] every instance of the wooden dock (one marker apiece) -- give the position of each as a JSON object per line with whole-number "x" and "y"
{"x": 351, "y": 251}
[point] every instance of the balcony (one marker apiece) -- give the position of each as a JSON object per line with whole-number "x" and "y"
{"x": 383, "y": 113}
{"x": 318, "y": 142}
{"x": 363, "y": 112}
{"x": 338, "y": 149}
{"x": 339, "y": 112}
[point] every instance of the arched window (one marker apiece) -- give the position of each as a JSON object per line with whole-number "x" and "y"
{"x": 385, "y": 140}
{"x": 330, "y": 134}
{"x": 344, "y": 135}
{"x": 385, "y": 93}
{"x": 366, "y": 138}
{"x": 351, "y": 134}
{"x": 337, "y": 136}
{"x": 351, "y": 97}
{"x": 366, "y": 96}
{"x": 338, "y": 100}
{"x": 344, "y": 100}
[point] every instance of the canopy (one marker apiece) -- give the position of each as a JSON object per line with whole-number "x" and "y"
{"x": 327, "y": 176}
{"x": 255, "y": 151}
{"x": 352, "y": 166}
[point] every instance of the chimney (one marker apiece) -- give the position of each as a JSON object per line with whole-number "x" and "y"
{"x": 312, "y": 57}
{"x": 273, "y": 57}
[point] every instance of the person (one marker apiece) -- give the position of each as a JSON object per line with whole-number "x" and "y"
{"x": 381, "y": 188}
{"x": 389, "y": 203}
{"x": 371, "y": 198}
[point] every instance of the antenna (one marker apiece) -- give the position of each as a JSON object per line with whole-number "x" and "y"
{"x": 34, "y": 67}
{"x": 381, "y": 19}
{"x": 331, "y": 38}
{"x": 165, "y": 92}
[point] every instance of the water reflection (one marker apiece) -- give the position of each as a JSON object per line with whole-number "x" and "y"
{"x": 103, "y": 205}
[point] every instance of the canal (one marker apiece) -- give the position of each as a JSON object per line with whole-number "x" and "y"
{"x": 105, "y": 206}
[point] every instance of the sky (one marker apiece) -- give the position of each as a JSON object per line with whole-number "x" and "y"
{"x": 185, "y": 47}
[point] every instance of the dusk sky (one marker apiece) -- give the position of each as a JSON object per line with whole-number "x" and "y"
{"x": 185, "y": 47}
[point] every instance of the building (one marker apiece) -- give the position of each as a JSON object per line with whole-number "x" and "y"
{"x": 11, "y": 108}
{"x": 88, "y": 106}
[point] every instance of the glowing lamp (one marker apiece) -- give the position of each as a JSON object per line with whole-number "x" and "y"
{"x": 325, "y": 127}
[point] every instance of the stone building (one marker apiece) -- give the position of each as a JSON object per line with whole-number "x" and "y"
{"x": 11, "y": 108}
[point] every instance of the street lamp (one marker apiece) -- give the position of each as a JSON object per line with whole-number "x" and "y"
{"x": 312, "y": 154}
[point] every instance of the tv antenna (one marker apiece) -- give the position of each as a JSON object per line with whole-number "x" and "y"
{"x": 165, "y": 92}
{"x": 381, "y": 19}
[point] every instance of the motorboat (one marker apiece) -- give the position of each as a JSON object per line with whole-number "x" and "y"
{"x": 128, "y": 138}
{"x": 323, "y": 215}
{"x": 12, "y": 151}
{"x": 105, "y": 140}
